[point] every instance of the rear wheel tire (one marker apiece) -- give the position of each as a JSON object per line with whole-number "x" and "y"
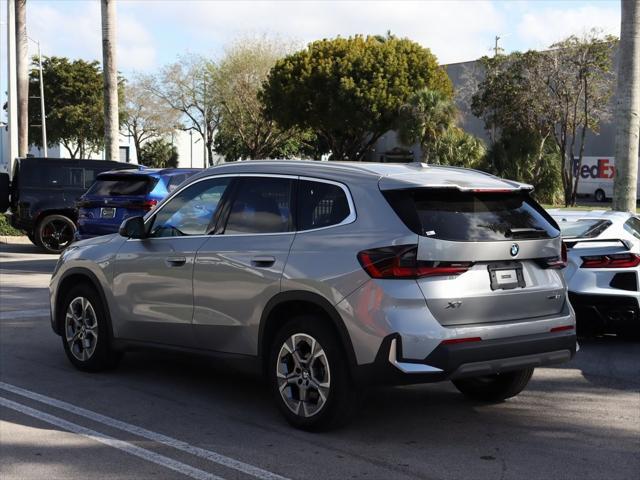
{"x": 54, "y": 233}
{"x": 494, "y": 388}
{"x": 600, "y": 196}
{"x": 85, "y": 330}
{"x": 33, "y": 239}
{"x": 308, "y": 376}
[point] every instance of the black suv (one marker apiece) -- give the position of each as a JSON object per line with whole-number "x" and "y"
{"x": 42, "y": 197}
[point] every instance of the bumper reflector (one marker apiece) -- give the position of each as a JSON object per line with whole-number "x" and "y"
{"x": 452, "y": 341}
{"x": 564, "y": 328}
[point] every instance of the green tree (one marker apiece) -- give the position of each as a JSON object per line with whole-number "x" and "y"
{"x": 455, "y": 147}
{"x": 146, "y": 117}
{"x": 74, "y": 105}
{"x": 530, "y": 99}
{"x": 349, "y": 91}
{"x": 188, "y": 87}
{"x": 580, "y": 80}
{"x": 244, "y": 130}
{"x": 158, "y": 153}
{"x": 513, "y": 100}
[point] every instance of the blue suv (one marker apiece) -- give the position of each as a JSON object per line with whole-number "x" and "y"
{"x": 117, "y": 195}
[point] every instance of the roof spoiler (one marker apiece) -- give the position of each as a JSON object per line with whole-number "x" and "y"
{"x": 571, "y": 242}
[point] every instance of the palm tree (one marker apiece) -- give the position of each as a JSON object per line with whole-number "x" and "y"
{"x": 426, "y": 116}
{"x": 628, "y": 109}
{"x": 22, "y": 69}
{"x": 110, "y": 75}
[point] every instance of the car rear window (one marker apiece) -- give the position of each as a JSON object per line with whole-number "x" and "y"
{"x": 583, "y": 228}
{"x": 450, "y": 214}
{"x": 114, "y": 186}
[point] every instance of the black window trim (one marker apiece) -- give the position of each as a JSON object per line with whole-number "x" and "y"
{"x": 225, "y": 206}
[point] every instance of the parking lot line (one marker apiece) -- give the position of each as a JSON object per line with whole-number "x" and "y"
{"x": 10, "y": 315}
{"x": 148, "y": 434}
{"x": 127, "y": 447}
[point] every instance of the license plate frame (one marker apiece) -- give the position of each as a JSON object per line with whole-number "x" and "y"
{"x": 506, "y": 275}
{"x": 108, "y": 212}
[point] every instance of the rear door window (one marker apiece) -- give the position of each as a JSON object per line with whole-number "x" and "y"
{"x": 114, "y": 186}
{"x": 320, "y": 205}
{"x": 261, "y": 205}
{"x": 455, "y": 215}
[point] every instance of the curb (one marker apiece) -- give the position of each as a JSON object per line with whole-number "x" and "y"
{"x": 14, "y": 240}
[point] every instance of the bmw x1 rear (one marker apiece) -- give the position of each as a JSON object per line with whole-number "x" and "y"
{"x": 329, "y": 277}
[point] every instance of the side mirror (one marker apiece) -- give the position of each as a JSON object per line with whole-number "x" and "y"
{"x": 133, "y": 227}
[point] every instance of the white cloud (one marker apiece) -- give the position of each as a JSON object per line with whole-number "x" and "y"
{"x": 454, "y": 30}
{"x": 542, "y": 28}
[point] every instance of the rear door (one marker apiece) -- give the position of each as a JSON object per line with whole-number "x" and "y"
{"x": 510, "y": 242}
{"x": 238, "y": 270}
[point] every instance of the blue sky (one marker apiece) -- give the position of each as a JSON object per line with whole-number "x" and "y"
{"x": 152, "y": 33}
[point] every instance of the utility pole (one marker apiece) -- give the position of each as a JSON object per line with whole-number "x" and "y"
{"x": 628, "y": 109}
{"x": 496, "y": 49}
{"x": 22, "y": 72}
{"x": 110, "y": 78}
{"x": 11, "y": 84}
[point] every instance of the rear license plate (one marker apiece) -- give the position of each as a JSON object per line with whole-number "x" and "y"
{"x": 506, "y": 275}
{"x": 108, "y": 212}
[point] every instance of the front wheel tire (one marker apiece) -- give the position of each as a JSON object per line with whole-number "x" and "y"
{"x": 85, "y": 330}
{"x": 494, "y": 388}
{"x": 308, "y": 376}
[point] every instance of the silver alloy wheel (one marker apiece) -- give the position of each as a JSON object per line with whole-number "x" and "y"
{"x": 303, "y": 374}
{"x": 81, "y": 328}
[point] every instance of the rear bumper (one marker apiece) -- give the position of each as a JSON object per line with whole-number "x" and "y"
{"x": 606, "y": 313}
{"x": 452, "y": 361}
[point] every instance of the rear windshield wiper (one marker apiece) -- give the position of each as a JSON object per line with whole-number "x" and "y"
{"x": 535, "y": 232}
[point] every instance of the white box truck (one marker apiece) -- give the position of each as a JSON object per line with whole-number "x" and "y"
{"x": 596, "y": 177}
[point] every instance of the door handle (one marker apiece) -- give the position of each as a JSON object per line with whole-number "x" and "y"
{"x": 263, "y": 261}
{"x": 175, "y": 261}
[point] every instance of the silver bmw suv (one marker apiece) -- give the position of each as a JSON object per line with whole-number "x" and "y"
{"x": 327, "y": 277}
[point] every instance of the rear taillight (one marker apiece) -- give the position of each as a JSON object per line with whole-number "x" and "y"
{"x": 401, "y": 262}
{"x": 149, "y": 204}
{"x": 555, "y": 262}
{"x": 616, "y": 260}
{"x": 455, "y": 341}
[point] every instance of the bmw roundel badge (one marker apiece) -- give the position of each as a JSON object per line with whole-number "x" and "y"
{"x": 515, "y": 248}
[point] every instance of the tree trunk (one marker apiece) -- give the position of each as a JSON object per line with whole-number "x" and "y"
{"x": 628, "y": 109}
{"x": 22, "y": 69}
{"x": 110, "y": 75}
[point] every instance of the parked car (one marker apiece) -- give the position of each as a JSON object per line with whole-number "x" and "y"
{"x": 117, "y": 195}
{"x": 602, "y": 274}
{"x": 43, "y": 192}
{"x": 327, "y": 277}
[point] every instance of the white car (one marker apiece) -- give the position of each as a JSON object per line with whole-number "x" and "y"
{"x": 603, "y": 253}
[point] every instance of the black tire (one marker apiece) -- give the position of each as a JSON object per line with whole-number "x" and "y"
{"x": 54, "y": 233}
{"x": 33, "y": 240}
{"x": 599, "y": 195}
{"x": 494, "y": 388}
{"x": 342, "y": 397}
{"x": 102, "y": 356}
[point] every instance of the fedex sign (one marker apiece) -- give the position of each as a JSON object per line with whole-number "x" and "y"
{"x": 603, "y": 168}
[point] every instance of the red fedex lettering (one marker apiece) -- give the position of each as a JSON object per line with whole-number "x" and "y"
{"x": 605, "y": 170}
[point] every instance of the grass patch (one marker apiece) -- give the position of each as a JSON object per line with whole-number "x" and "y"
{"x": 7, "y": 229}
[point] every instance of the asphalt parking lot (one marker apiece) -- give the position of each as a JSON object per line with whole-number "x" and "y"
{"x": 167, "y": 416}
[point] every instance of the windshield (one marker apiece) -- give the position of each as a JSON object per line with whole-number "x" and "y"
{"x": 583, "y": 228}
{"x": 121, "y": 185}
